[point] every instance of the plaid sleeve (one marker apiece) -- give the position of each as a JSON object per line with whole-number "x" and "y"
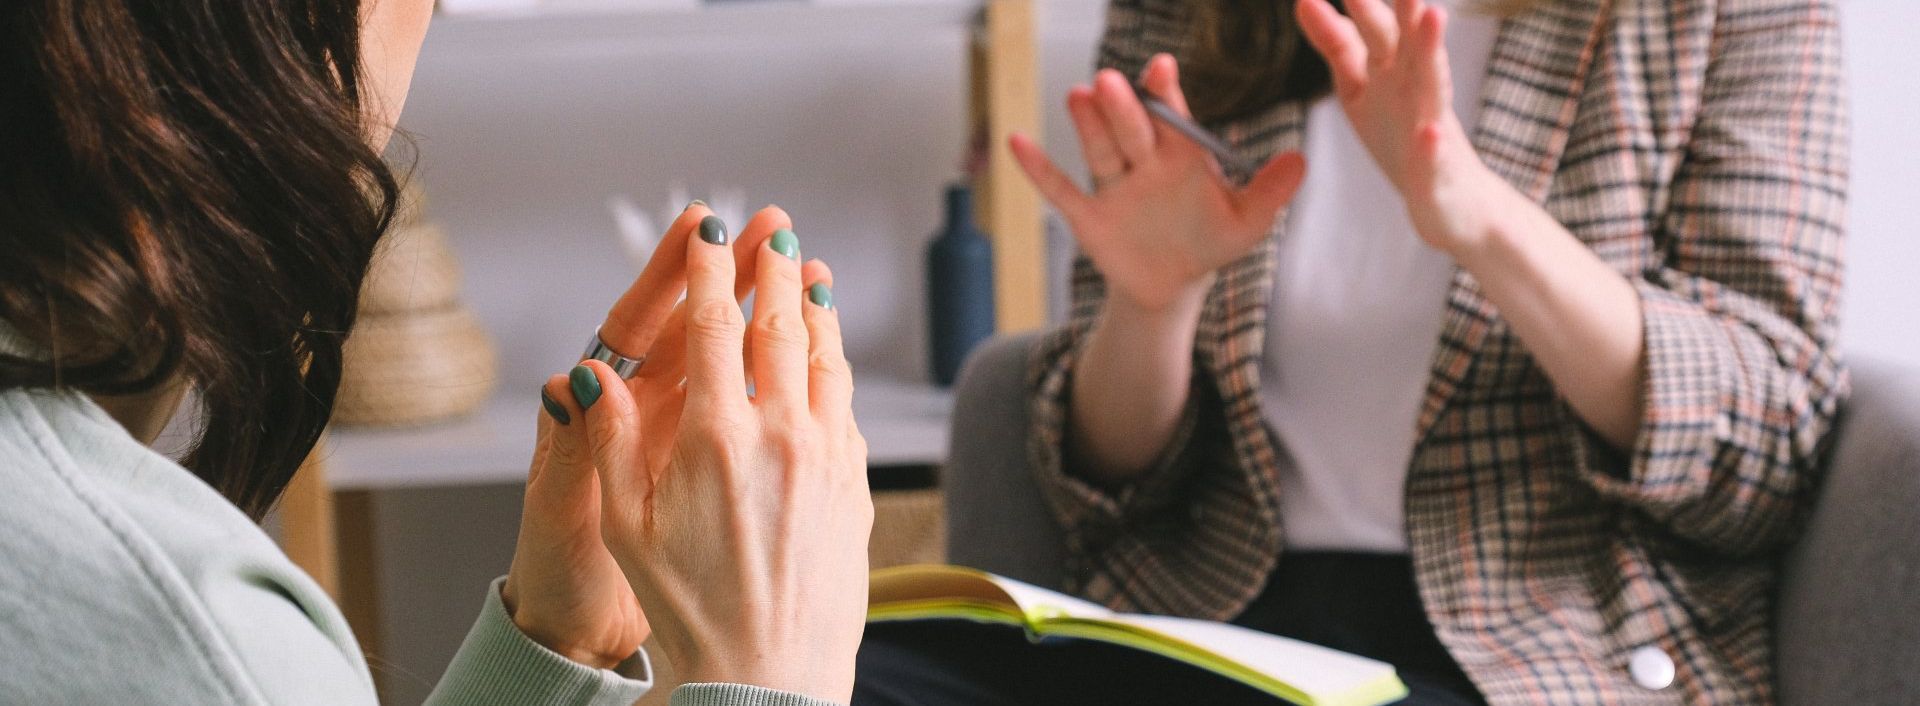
{"x": 1742, "y": 377}
{"x": 1085, "y": 509}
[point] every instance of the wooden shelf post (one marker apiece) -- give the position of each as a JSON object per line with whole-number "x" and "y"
{"x": 306, "y": 523}
{"x": 1006, "y": 98}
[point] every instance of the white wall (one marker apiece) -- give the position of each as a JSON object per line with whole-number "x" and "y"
{"x": 1883, "y": 287}
{"x": 853, "y": 119}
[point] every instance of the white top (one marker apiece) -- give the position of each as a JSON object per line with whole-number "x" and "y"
{"x": 1356, "y": 315}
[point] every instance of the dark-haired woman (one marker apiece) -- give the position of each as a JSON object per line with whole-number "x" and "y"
{"x": 189, "y": 197}
{"x": 1524, "y": 394}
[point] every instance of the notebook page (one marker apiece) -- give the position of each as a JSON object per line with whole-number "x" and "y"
{"x": 1316, "y": 670}
{"x": 1040, "y": 602}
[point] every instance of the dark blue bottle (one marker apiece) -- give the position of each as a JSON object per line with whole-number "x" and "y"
{"x": 959, "y": 288}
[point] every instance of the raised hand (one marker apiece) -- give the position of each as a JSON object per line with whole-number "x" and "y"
{"x": 1161, "y": 218}
{"x": 1391, "y": 75}
{"x": 564, "y": 589}
{"x": 742, "y": 521}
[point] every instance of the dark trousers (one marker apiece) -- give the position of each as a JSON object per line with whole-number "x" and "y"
{"x": 1360, "y": 603}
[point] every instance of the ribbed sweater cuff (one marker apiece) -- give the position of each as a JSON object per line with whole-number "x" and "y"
{"x": 739, "y": 695}
{"x": 498, "y": 664}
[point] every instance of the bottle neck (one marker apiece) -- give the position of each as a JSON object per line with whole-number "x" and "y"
{"x": 959, "y": 209}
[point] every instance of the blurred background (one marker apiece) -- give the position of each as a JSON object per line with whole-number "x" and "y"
{"x": 528, "y": 116}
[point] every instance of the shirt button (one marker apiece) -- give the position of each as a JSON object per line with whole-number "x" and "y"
{"x": 1651, "y": 668}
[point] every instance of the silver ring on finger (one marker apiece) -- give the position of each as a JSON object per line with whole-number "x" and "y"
{"x": 622, "y": 366}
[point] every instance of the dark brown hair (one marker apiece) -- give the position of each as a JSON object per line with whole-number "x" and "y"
{"x": 187, "y": 190}
{"x": 1246, "y": 56}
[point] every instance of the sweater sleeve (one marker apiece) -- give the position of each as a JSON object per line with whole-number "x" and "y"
{"x": 739, "y": 695}
{"x": 498, "y": 664}
{"x": 1742, "y": 377}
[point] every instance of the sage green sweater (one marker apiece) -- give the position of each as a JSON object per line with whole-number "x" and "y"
{"x": 125, "y": 579}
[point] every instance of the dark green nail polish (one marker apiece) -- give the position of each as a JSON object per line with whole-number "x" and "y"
{"x": 713, "y": 230}
{"x": 554, "y": 409}
{"x": 586, "y": 386}
{"x": 785, "y": 243}
{"x": 821, "y": 294}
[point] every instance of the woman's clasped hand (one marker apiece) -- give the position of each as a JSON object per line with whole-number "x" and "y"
{"x": 720, "y": 494}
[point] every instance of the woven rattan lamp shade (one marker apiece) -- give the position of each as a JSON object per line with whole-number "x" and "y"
{"x": 417, "y": 355}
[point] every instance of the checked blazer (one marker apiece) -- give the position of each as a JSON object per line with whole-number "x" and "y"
{"x": 1699, "y": 147}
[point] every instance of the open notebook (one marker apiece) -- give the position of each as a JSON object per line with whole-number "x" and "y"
{"x": 1299, "y": 672}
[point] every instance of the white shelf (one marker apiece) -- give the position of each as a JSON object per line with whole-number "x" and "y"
{"x": 593, "y": 29}
{"x": 905, "y": 425}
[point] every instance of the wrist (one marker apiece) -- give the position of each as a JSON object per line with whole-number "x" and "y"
{"x": 528, "y": 623}
{"x": 1467, "y": 213}
{"x": 1489, "y": 236}
{"x": 1182, "y": 308}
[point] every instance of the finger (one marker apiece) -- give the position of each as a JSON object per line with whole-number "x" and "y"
{"x": 567, "y": 464}
{"x": 747, "y": 247}
{"x": 829, "y": 377}
{"x": 550, "y": 414}
{"x": 1406, "y": 15}
{"x": 816, "y": 272}
{"x": 778, "y": 335}
{"x": 636, "y": 317}
{"x": 1046, "y": 176}
{"x": 1272, "y": 188}
{"x": 1427, "y": 51}
{"x": 667, "y": 362}
{"x": 1162, "y": 79}
{"x": 611, "y": 419}
{"x": 1375, "y": 22}
{"x": 715, "y": 328}
{"x": 1335, "y": 37}
{"x": 1096, "y": 141}
{"x": 1126, "y": 118}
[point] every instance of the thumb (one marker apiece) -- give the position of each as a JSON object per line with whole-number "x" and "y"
{"x": 612, "y": 422}
{"x": 1271, "y": 189}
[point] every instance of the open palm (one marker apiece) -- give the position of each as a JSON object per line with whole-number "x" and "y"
{"x": 1162, "y": 217}
{"x": 1390, "y": 72}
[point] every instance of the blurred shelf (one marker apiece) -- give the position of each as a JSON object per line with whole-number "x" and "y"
{"x": 602, "y": 27}
{"x": 905, "y": 424}
{"x": 598, "y": 29}
{"x": 518, "y": 10}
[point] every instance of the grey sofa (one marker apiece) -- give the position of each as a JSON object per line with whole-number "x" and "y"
{"x": 1849, "y": 610}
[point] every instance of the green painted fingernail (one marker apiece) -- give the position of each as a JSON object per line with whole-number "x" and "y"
{"x": 785, "y": 243}
{"x": 586, "y": 386}
{"x": 713, "y": 230}
{"x": 821, "y": 294}
{"x": 554, "y": 409}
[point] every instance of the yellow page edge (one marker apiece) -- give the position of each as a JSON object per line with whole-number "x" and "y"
{"x": 1380, "y": 691}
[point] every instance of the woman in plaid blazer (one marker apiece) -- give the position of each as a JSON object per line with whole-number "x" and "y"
{"x": 1636, "y": 371}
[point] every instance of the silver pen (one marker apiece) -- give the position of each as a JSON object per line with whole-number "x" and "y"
{"x": 1157, "y": 108}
